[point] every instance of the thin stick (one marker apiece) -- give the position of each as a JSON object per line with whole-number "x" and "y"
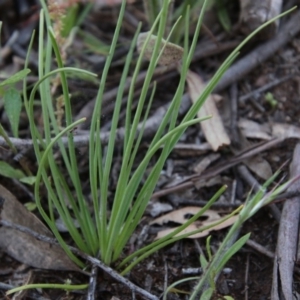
{"x": 92, "y": 284}
{"x": 93, "y": 260}
{"x": 82, "y": 140}
{"x": 259, "y": 248}
{"x": 261, "y": 53}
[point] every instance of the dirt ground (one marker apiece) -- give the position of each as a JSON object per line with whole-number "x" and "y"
{"x": 248, "y": 115}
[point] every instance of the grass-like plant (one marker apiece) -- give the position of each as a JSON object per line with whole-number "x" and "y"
{"x": 104, "y": 233}
{"x": 98, "y": 234}
{"x": 212, "y": 265}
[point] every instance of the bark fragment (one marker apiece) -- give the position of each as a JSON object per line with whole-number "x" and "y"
{"x": 256, "y": 12}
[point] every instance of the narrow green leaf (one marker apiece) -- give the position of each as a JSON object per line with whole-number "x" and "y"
{"x": 203, "y": 261}
{"x": 16, "y": 77}
{"x": 7, "y": 170}
{"x": 207, "y": 294}
{"x": 232, "y": 250}
{"x": 7, "y": 140}
{"x": 31, "y": 206}
{"x": 13, "y": 106}
{"x": 208, "y": 247}
{"x": 30, "y": 180}
{"x": 223, "y": 15}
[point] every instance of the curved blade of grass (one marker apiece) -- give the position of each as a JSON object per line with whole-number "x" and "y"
{"x": 7, "y": 140}
{"x": 232, "y": 250}
{"x": 123, "y": 200}
{"x": 30, "y": 111}
{"x": 33, "y": 128}
{"x": 104, "y": 181}
{"x": 67, "y": 287}
{"x": 149, "y": 186}
{"x": 87, "y": 224}
{"x": 55, "y": 171}
{"x": 95, "y": 143}
{"x": 139, "y": 138}
{"x": 170, "y": 287}
{"x": 15, "y": 77}
{"x": 131, "y": 129}
{"x": 40, "y": 172}
{"x": 139, "y": 206}
{"x": 48, "y": 111}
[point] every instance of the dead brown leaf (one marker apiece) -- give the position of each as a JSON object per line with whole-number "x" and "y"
{"x": 259, "y": 166}
{"x": 266, "y": 131}
{"x": 213, "y": 128}
{"x": 182, "y": 215}
{"x": 205, "y": 162}
{"x": 171, "y": 54}
{"x": 254, "y": 130}
{"x": 24, "y": 247}
{"x": 285, "y": 131}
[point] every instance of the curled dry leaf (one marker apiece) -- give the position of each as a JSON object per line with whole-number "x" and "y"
{"x": 24, "y": 247}
{"x": 202, "y": 182}
{"x": 205, "y": 162}
{"x": 213, "y": 128}
{"x": 156, "y": 208}
{"x": 251, "y": 129}
{"x": 182, "y": 215}
{"x": 267, "y": 131}
{"x": 259, "y": 166}
{"x": 172, "y": 53}
{"x": 285, "y": 131}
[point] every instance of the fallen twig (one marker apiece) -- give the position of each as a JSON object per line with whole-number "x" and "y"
{"x": 93, "y": 260}
{"x": 151, "y": 127}
{"x": 261, "y": 53}
{"x": 259, "y": 248}
{"x": 91, "y": 293}
{"x": 287, "y": 238}
{"x": 211, "y": 172}
{"x": 266, "y": 87}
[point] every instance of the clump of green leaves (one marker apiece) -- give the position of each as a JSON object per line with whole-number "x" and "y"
{"x": 100, "y": 233}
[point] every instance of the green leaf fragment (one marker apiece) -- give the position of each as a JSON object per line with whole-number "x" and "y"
{"x": 31, "y": 206}
{"x": 30, "y": 180}
{"x": 7, "y": 170}
{"x": 13, "y": 106}
{"x": 207, "y": 294}
{"x": 203, "y": 261}
{"x": 223, "y": 15}
{"x": 16, "y": 77}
